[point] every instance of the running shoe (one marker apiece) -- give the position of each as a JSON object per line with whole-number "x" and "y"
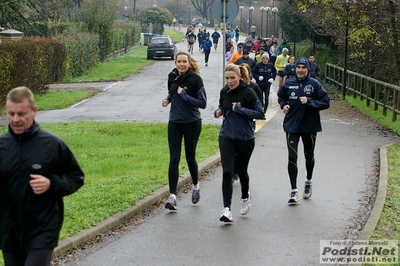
{"x": 170, "y": 204}
{"x": 195, "y": 196}
{"x": 245, "y": 205}
{"x": 307, "y": 189}
{"x": 226, "y": 216}
{"x": 294, "y": 197}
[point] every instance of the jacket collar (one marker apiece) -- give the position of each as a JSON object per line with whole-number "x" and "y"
{"x": 239, "y": 87}
{"x": 27, "y": 133}
{"x": 176, "y": 72}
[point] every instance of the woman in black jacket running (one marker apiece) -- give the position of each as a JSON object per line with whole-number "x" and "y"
{"x": 186, "y": 94}
{"x": 239, "y": 105}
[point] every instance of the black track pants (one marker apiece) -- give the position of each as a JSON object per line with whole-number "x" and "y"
{"x": 292, "y": 140}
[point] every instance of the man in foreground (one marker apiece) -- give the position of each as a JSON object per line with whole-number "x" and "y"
{"x": 37, "y": 169}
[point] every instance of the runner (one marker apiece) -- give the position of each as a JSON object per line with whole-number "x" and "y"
{"x": 215, "y": 36}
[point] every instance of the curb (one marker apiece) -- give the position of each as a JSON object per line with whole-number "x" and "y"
{"x": 373, "y": 218}
{"x": 380, "y": 196}
{"x": 86, "y": 235}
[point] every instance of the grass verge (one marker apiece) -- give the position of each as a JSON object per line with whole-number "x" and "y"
{"x": 61, "y": 99}
{"x": 123, "y": 66}
{"x": 377, "y": 115}
{"x": 123, "y": 162}
{"x": 118, "y": 68}
{"x": 388, "y": 227}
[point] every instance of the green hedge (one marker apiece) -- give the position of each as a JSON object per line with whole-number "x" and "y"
{"x": 82, "y": 52}
{"x": 36, "y": 62}
{"x": 122, "y": 35}
{"x": 323, "y": 54}
{"x": 31, "y": 62}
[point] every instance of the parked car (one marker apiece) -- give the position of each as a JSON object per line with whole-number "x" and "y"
{"x": 161, "y": 46}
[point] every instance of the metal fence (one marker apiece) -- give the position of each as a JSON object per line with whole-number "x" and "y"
{"x": 374, "y": 92}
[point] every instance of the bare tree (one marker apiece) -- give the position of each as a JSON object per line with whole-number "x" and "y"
{"x": 202, "y": 6}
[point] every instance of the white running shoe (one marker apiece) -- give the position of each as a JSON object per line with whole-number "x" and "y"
{"x": 307, "y": 189}
{"x": 294, "y": 197}
{"x": 226, "y": 216}
{"x": 170, "y": 204}
{"x": 245, "y": 205}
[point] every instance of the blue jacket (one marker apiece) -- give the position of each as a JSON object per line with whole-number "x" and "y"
{"x": 314, "y": 70}
{"x": 289, "y": 71}
{"x": 185, "y": 106}
{"x": 303, "y": 117}
{"x": 238, "y": 124}
{"x": 266, "y": 70}
{"x": 207, "y": 44}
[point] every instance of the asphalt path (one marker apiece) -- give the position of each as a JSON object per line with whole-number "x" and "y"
{"x": 272, "y": 233}
{"x": 138, "y": 98}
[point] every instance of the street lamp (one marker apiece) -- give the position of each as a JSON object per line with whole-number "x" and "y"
{"x": 262, "y": 18}
{"x": 241, "y": 16}
{"x": 267, "y": 9}
{"x": 347, "y": 4}
{"x": 274, "y": 11}
{"x": 250, "y": 17}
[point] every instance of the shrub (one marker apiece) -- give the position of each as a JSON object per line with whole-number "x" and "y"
{"x": 122, "y": 35}
{"x": 82, "y": 52}
{"x": 31, "y": 62}
{"x": 323, "y": 54}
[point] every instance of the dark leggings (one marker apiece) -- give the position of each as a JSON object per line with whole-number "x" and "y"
{"x": 241, "y": 151}
{"x": 292, "y": 140}
{"x": 265, "y": 89}
{"x": 39, "y": 257}
{"x": 191, "y": 133}
{"x": 206, "y": 55}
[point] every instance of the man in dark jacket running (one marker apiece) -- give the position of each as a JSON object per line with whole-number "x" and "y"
{"x": 37, "y": 170}
{"x": 314, "y": 68}
{"x": 246, "y": 59}
{"x": 301, "y": 99}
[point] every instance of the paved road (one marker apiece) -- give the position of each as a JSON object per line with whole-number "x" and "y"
{"x": 272, "y": 233}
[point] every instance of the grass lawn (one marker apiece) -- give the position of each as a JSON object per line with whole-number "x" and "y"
{"x": 122, "y": 162}
{"x": 118, "y": 68}
{"x": 123, "y": 66}
{"x": 388, "y": 227}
